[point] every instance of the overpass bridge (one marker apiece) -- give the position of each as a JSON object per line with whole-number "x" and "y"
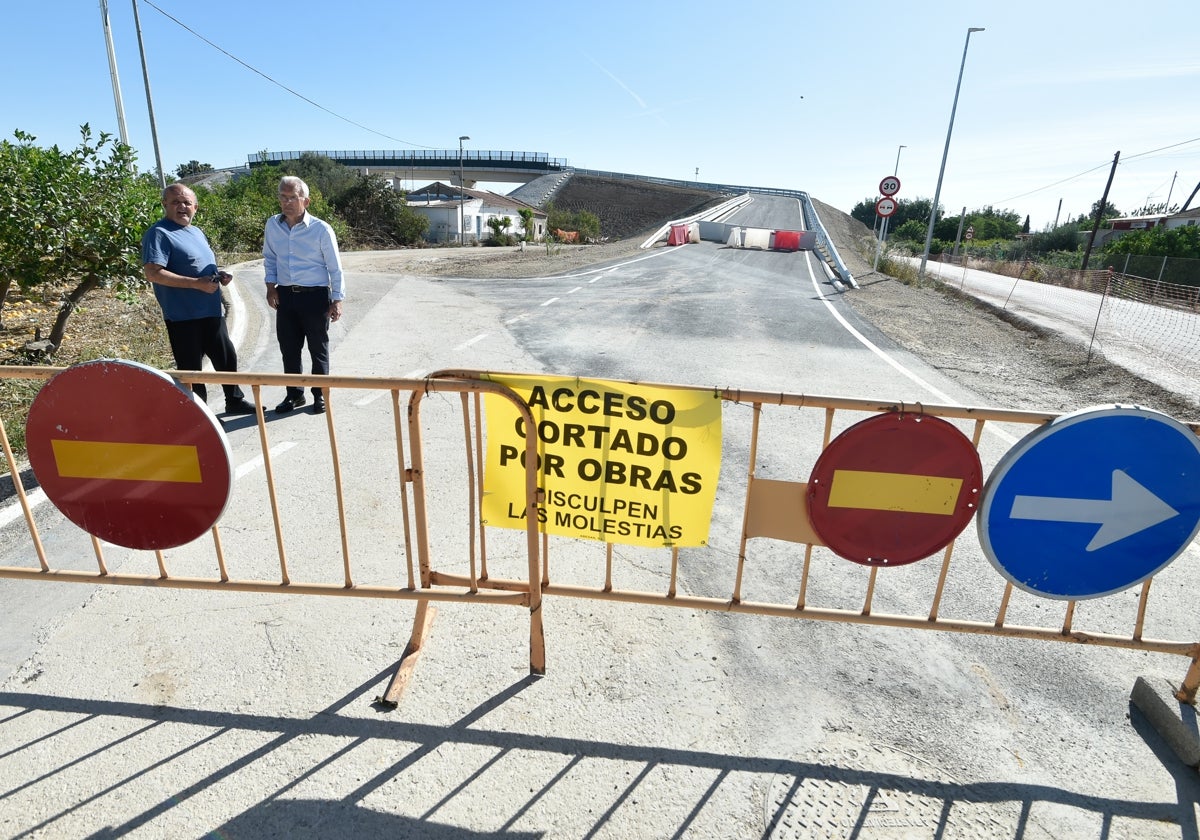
{"x": 480, "y": 165}
{"x": 468, "y": 167}
{"x": 473, "y": 166}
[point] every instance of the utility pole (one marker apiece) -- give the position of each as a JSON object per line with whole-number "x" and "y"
{"x": 137, "y": 22}
{"x": 112, "y": 70}
{"x": 1188, "y": 203}
{"x": 937, "y": 193}
{"x": 1100, "y": 212}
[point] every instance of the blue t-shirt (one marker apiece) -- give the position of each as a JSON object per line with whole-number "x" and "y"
{"x": 184, "y": 251}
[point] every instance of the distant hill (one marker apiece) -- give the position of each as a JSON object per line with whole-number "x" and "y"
{"x": 628, "y": 208}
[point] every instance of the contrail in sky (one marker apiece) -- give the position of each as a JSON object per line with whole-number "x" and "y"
{"x": 641, "y": 103}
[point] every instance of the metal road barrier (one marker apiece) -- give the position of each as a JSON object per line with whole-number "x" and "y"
{"x": 831, "y": 509}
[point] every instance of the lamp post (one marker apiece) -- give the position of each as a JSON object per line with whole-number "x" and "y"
{"x": 462, "y": 183}
{"x": 896, "y": 171}
{"x": 937, "y": 193}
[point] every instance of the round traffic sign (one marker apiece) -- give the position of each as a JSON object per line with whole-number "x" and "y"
{"x": 894, "y": 488}
{"x": 1092, "y": 503}
{"x": 889, "y": 185}
{"x": 971, "y": 232}
{"x": 885, "y": 206}
{"x": 129, "y": 455}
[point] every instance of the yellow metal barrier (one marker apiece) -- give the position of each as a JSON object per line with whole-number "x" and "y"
{"x": 784, "y": 430}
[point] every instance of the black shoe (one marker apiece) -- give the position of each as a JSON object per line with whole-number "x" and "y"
{"x": 239, "y": 406}
{"x": 318, "y": 405}
{"x": 291, "y": 402}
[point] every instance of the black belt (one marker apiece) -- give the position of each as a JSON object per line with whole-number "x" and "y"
{"x": 295, "y": 288}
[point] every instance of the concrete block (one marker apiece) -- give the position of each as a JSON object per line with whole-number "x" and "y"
{"x": 1173, "y": 720}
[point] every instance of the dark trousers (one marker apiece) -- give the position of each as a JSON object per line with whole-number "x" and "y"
{"x": 192, "y": 340}
{"x": 303, "y": 317}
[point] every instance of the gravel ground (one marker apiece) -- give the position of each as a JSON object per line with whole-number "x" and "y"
{"x": 1012, "y": 364}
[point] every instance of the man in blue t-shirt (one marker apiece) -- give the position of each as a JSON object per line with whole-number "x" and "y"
{"x": 178, "y": 260}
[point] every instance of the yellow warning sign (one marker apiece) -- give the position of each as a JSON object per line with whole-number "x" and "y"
{"x": 618, "y": 462}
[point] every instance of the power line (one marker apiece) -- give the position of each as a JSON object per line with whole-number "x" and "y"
{"x": 1164, "y": 148}
{"x": 1101, "y": 166}
{"x": 253, "y": 69}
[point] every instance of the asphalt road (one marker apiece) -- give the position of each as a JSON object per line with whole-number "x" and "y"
{"x": 152, "y": 713}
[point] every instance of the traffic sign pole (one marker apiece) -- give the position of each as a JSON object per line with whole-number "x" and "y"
{"x": 888, "y": 187}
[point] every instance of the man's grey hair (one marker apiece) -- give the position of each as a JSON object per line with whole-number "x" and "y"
{"x": 295, "y": 183}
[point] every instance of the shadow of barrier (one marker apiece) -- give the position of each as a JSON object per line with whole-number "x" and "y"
{"x": 434, "y": 500}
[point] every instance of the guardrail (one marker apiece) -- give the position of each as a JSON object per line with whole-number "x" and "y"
{"x": 816, "y": 584}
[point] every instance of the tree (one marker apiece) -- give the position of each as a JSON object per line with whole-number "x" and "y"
{"x": 192, "y": 167}
{"x": 72, "y": 219}
{"x": 323, "y": 174}
{"x": 233, "y": 214}
{"x": 379, "y": 216}
{"x": 526, "y": 214}
{"x": 1160, "y": 209}
{"x": 1062, "y": 238}
{"x": 499, "y": 224}
{"x": 1159, "y": 241}
{"x": 864, "y": 211}
{"x": 910, "y": 231}
{"x": 906, "y": 210}
{"x": 583, "y": 221}
{"x": 1110, "y": 212}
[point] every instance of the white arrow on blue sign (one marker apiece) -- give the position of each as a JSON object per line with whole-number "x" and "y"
{"x": 1092, "y": 503}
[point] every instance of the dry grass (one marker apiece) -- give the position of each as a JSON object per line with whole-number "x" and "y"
{"x": 104, "y": 326}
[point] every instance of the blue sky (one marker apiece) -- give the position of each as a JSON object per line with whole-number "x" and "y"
{"x": 779, "y": 94}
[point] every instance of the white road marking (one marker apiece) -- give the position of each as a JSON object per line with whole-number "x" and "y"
{"x": 372, "y": 396}
{"x": 257, "y": 461}
{"x": 866, "y": 342}
{"x": 14, "y": 511}
{"x": 474, "y": 340}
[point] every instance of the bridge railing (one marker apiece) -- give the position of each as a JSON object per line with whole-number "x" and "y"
{"x": 406, "y": 157}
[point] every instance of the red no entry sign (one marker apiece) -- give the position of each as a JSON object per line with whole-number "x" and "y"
{"x": 128, "y": 455}
{"x": 894, "y": 488}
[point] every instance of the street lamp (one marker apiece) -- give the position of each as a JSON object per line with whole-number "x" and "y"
{"x": 462, "y": 182}
{"x": 884, "y": 227}
{"x": 937, "y": 193}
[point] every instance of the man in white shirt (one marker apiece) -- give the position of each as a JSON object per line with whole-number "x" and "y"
{"x": 305, "y": 286}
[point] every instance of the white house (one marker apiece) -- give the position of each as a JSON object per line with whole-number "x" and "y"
{"x": 443, "y": 204}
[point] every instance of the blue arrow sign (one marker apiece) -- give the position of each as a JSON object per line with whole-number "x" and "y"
{"x": 1092, "y": 503}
